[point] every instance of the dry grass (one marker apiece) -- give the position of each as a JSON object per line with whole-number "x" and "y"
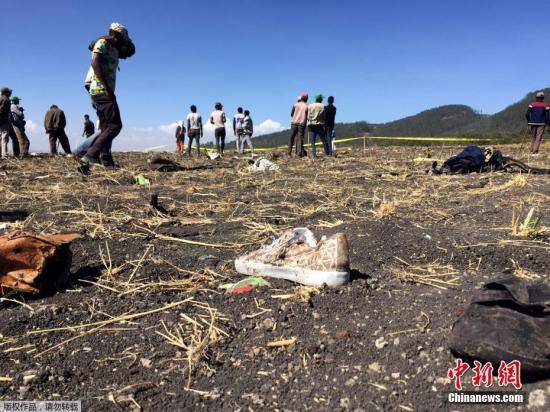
{"x": 433, "y": 274}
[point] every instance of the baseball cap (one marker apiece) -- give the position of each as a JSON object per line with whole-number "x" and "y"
{"x": 540, "y": 94}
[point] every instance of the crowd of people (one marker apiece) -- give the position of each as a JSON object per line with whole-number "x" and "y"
{"x": 243, "y": 128}
{"x": 316, "y": 118}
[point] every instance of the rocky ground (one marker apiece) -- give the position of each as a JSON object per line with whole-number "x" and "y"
{"x": 144, "y": 324}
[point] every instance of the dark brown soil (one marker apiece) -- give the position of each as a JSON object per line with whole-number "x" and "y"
{"x": 379, "y": 343}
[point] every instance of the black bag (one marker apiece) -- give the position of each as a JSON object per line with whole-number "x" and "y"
{"x": 470, "y": 160}
{"x": 507, "y": 320}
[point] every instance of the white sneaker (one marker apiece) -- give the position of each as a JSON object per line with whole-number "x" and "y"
{"x": 299, "y": 257}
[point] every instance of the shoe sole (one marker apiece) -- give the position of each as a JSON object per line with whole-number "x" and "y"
{"x": 332, "y": 278}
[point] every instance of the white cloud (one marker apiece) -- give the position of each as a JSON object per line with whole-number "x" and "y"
{"x": 268, "y": 126}
{"x": 169, "y": 128}
{"x": 31, "y": 126}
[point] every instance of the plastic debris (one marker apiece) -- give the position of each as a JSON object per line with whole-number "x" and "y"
{"x": 249, "y": 281}
{"x": 262, "y": 164}
{"x": 142, "y": 181}
{"x": 241, "y": 290}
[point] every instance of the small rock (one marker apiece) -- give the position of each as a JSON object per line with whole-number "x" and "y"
{"x": 395, "y": 375}
{"x": 341, "y": 335}
{"x": 23, "y": 390}
{"x": 396, "y": 342}
{"x": 380, "y": 343}
{"x": 256, "y": 351}
{"x": 350, "y": 382}
{"x": 344, "y": 403}
{"x": 375, "y": 367}
{"x": 28, "y": 378}
{"x": 316, "y": 315}
{"x": 537, "y": 399}
{"x": 146, "y": 363}
{"x": 268, "y": 323}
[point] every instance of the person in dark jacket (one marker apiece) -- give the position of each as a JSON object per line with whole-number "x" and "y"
{"x": 5, "y": 124}
{"x": 89, "y": 127}
{"x": 54, "y": 124}
{"x": 330, "y": 118}
{"x": 538, "y": 116}
{"x": 18, "y": 124}
{"x": 180, "y": 137}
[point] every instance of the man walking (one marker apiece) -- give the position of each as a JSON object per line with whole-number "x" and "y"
{"x": 101, "y": 82}
{"x": 238, "y": 127}
{"x": 298, "y": 125}
{"x": 194, "y": 130}
{"x": 54, "y": 124}
{"x": 18, "y": 123}
{"x": 5, "y": 125}
{"x": 330, "y": 118}
{"x": 316, "y": 124}
{"x": 218, "y": 119}
{"x": 248, "y": 130}
{"x": 538, "y": 116}
{"x": 89, "y": 127}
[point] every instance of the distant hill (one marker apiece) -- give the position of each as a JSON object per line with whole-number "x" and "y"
{"x": 433, "y": 122}
{"x": 450, "y": 120}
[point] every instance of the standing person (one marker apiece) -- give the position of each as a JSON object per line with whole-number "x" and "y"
{"x": 218, "y": 119}
{"x": 298, "y": 125}
{"x": 54, "y": 124}
{"x": 180, "y": 137}
{"x": 194, "y": 129}
{"x": 5, "y": 124}
{"x": 538, "y": 116}
{"x": 101, "y": 82}
{"x": 248, "y": 131}
{"x": 18, "y": 123}
{"x": 238, "y": 127}
{"x": 330, "y": 119}
{"x": 89, "y": 127}
{"x": 316, "y": 124}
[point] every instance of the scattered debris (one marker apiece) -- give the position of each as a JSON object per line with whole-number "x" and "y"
{"x": 160, "y": 164}
{"x": 141, "y": 181}
{"x": 299, "y": 257}
{"x": 13, "y": 215}
{"x": 508, "y": 319}
{"x": 241, "y": 286}
{"x": 262, "y": 164}
{"x": 281, "y": 343}
{"x": 33, "y": 264}
{"x": 241, "y": 290}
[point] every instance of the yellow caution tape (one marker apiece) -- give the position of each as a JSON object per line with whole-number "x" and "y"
{"x": 401, "y": 138}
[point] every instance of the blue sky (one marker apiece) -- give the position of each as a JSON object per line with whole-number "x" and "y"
{"x": 381, "y": 60}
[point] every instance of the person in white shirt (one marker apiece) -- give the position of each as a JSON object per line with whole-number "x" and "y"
{"x": 238, "y": 126}
{"x": 194, "y": 130}
{"x": 218, "y": 119}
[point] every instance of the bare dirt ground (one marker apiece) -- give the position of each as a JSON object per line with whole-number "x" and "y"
{"x": 143, "y": 323}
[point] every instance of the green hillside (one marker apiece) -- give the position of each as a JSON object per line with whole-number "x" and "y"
{"x": 450, "y": 120}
